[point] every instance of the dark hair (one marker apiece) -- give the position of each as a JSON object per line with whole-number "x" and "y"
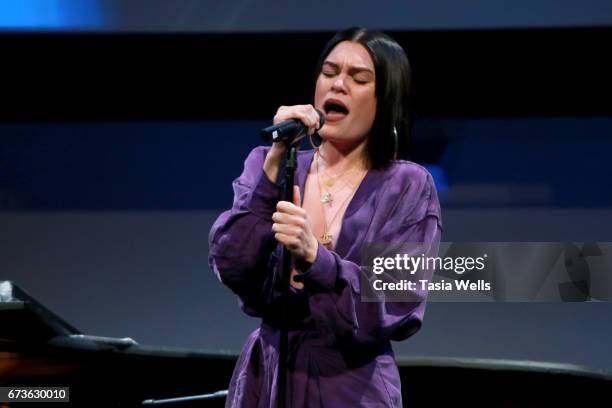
{"x": 393, "y": 81}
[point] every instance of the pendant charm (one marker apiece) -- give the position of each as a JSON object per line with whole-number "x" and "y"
{"x": 326, "y": 239}
{"x": 327, "y": 198}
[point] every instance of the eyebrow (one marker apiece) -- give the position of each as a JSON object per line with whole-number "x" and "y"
{"x": 352, "y": 68}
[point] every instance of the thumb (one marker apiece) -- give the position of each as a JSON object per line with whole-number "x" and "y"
{"x": 297, "y": 198}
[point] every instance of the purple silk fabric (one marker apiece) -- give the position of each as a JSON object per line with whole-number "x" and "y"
{"x": 339, "y": 347}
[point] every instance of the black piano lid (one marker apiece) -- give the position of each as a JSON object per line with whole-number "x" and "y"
{"x": 24, "y": 319}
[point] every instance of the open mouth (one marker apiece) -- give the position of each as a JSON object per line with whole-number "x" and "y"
{"x": 335, "y": 108}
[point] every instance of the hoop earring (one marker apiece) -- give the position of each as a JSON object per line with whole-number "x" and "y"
{"x": 396, "y": 143}
{"x": 310, "y": 137}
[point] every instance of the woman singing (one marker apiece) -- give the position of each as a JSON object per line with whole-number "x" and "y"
{"x": 356, "y": 187}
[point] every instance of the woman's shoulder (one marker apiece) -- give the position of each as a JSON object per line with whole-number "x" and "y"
{"x": 411, "y": 187}
{"x": 409, "y": 174}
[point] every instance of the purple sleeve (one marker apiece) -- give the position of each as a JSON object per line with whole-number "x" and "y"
{"x": 241, "y": 239}
{"x": 334, "y": 285}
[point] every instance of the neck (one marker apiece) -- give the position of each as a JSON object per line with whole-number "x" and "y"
{"x": 341, "y": 157}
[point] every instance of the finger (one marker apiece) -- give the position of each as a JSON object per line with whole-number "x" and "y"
{"x": 287, "y": 229}
{"x": 286, "y": 218}
{"x": 297, "y": 285}
{"x": 289, "y": 219}
{"x": 308, "y": 116}
{"x": 289, "y": 208}
{"x": 305, "y": 113}
{"x": 315, "y": 120}
{"x": 297, "y": 199}
{"x": 281, "y": 114}
{"x": 315, "y": 117}
{"x": 285, "y": 239}
{"x": 300, "y": 112}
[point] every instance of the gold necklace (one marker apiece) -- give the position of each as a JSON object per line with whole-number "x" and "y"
{"x": 332, "y": 180}
{"x": 327, "y": 197}
{"x": 327, "y": 238}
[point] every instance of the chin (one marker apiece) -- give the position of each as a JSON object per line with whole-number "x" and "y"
{"x": 332, "y": 130}
{"x": 328, "y": 136}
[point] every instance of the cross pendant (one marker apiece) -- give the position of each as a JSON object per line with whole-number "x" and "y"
{"x": 327, "y": 198}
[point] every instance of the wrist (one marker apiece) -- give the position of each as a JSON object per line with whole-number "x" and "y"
{"x": 311, "y": 257}
{"x": 271, "y": 165}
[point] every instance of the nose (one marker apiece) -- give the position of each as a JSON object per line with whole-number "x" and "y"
{"x": 339, "y": 84}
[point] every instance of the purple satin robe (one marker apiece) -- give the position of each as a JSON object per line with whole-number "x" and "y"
{"x": 339, "y": 347}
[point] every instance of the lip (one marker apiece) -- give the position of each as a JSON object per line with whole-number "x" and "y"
{"x": 334, "y": 117}
{"x": 337, "y": 102}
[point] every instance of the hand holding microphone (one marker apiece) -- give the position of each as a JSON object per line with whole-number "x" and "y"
{"x": 289, "y": 122}
{"x": 292, "y": 121}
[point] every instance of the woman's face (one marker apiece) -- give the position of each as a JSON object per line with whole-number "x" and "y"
{"x": 345, "y": 91}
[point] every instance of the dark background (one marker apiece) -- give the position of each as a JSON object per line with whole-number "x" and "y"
{"x": 122, "y": 126}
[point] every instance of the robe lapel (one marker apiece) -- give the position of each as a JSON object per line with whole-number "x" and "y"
{"x": 370, "y": 183}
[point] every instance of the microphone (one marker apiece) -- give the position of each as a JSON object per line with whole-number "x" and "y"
{"x": 287, "y": 130}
